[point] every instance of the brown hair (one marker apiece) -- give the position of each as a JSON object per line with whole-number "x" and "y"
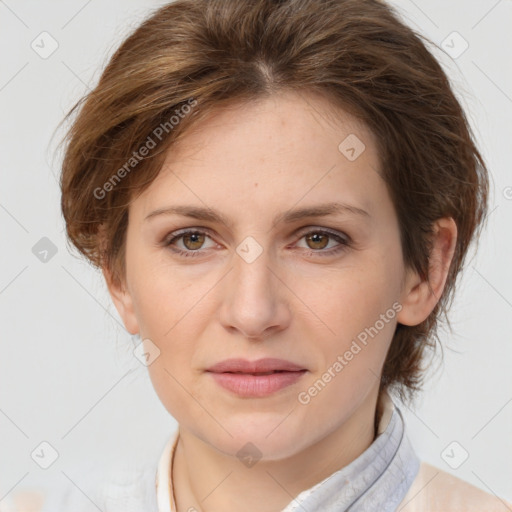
{"x": 214, "y": 53}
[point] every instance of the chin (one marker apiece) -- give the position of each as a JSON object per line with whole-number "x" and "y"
{"x": 258, "y": 439}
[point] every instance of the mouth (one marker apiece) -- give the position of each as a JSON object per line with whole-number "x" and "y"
{"x": 259, "y": 373}
{"x": 255, "y": 383}
{"x": 264, "y": 366}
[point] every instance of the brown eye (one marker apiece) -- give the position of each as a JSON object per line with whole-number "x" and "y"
{"x": 321, "y": 242}
{"x": 189, "y": 243}
{"x": 193, "y": 241}
{"x": 317, "y": 240}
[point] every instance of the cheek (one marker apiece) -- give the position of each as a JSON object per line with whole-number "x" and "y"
{"x": 170, "y": 387}
{"x": 170, "y": 309}
{"x": 358, "y": 311}
{"x": 351, "y": 297}
{"x": 161, "y": 297}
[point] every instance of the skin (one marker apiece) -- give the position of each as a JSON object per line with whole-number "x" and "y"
{"x": 252, "y": 162}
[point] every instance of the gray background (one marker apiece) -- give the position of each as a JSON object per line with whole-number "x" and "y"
{"x": 67, "y": 372}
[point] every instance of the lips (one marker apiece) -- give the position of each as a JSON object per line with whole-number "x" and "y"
{"x": 265, "y": 366}
{"x": 256, "y": 379}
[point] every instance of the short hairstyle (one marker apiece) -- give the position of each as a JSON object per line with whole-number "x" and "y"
{"x": 192, "y": 57}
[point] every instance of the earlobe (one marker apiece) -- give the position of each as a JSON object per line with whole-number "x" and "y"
{"x": 419, "y": 296}
{"x": 123, "y": 302}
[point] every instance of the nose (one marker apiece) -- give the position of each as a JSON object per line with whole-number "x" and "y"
{"x": 255, "y": 299}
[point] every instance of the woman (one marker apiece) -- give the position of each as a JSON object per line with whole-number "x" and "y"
{"x": 280, "y": 195}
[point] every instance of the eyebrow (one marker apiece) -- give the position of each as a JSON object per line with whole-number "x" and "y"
{"x": 288, "y": 217}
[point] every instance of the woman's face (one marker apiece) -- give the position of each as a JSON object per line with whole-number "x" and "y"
{"x": 271, "y": 280}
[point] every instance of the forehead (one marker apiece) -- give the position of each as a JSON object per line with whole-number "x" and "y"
{"x": 287, "y": 148}
{"x": 285, "y": 121}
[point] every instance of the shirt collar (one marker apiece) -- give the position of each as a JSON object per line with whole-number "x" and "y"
{"x": 376, "y": 480}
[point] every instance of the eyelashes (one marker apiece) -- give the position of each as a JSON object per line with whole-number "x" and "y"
{"x": 198, "y": 236}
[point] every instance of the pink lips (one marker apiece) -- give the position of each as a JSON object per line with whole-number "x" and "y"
{"x": 256, "y": 378}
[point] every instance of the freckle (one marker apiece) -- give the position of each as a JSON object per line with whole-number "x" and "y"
{"x": 255, "y": 185}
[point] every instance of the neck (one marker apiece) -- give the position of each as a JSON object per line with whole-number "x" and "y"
{"x": 205, "y": 479}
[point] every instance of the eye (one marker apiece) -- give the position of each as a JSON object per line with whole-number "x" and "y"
{"x": 318, "y": 240}
{"x": 191, "y": 240}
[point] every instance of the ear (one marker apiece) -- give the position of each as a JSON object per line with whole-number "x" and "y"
{"x": 122, "y": 300}
{"x": 419, "y": 297}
